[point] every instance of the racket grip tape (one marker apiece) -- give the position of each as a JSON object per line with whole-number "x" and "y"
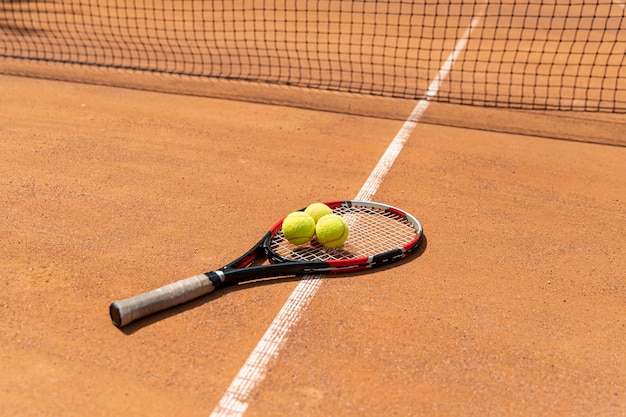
{"x": 128, "y": 310}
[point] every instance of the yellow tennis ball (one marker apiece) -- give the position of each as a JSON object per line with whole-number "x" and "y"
{"x": 331, "y": 231}
{"x": 298, "y": 227}
{"x": 318, "y": 210}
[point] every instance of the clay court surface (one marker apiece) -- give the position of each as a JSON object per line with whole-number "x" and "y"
{"x": 515, "y": 306}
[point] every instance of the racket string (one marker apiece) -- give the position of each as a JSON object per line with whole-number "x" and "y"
{"x": 372, "y": 230}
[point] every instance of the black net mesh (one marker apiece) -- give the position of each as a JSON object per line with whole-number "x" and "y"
{"x": 562, "y": 55}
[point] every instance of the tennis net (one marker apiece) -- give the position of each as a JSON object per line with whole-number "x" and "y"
{"x": 536, "y": 54}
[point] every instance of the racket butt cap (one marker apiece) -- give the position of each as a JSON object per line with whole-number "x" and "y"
{"x": 116, "y": 315}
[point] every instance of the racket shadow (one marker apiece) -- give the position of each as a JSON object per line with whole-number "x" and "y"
{"x": 198, "y": 302}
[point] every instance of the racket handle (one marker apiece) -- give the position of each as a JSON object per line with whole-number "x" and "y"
{"x": 126, "y": 311}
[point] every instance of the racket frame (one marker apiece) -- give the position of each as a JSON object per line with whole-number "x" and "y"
{"x": 123, "y": 312}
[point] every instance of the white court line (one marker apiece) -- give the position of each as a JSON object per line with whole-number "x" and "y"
{"x": 235, "y": 401}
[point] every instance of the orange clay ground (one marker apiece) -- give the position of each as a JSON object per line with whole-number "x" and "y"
{"x": 516, "y": 307}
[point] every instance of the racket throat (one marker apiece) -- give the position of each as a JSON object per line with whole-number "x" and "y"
{"x": 229, "y": 276}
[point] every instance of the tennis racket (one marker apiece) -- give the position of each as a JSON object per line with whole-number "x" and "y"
{"x": 379, "y": 235}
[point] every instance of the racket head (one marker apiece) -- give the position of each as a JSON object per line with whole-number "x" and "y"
{"x": 378, "y": 234}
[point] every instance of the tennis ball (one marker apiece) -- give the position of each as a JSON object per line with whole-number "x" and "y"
{"x": 318, "y": 210}
{"x": 331, "y": 231}
{"x": 298, "y": 227}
